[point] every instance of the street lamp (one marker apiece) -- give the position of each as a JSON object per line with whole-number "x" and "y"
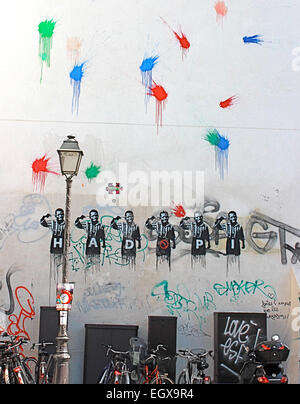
{"x": 70, "y": 157}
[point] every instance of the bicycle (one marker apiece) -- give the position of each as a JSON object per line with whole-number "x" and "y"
{"x": 116, "y": 371}
{"x": 155, "y": 376}
{"x": 194, "y": 373}
{"x": 43, "y": 365}
{"x": 12, "y": 367}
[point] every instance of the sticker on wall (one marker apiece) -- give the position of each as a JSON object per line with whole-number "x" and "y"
{"x": 41, "y": 167}
{"x": 114, "y": 188}
{"x": 76, "y": 75}
{"x": 146, "y": 68}
{"x": 46, "y": 31}
{"x": 221, "y": 145}
{"x": 181, "y": 38}
{"x": 165, "y": 237}
{"x": 131, "y": 238}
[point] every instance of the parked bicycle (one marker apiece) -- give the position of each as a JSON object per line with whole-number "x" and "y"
{"x": 151, "y": 372}
{"x": 196, "y": 364}
{"x": 13, "y": 369}
{"x": 43, "y": 366}
{"x": 117, "y": 369}
{"x": 138, "y": 350}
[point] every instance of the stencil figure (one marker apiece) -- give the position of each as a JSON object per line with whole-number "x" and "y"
{"x": 235, "y": 237}
{"x": 131, "y": 236}
{"x": 57, "y": 226}
{"x": 200, "y": 237}
{"x": 94, "y": 231}
{"x": 165, "y": 237}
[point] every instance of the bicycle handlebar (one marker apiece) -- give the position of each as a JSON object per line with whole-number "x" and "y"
{"x": 43, "y": 344}
{"x": 20, "y": 342}
{"x": 110, "y": 349}
{"x": 188, "y": 354}
{"x": 159, "y": 346}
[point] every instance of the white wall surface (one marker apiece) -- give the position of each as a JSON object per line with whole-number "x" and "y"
{"x": 113, "y": 127}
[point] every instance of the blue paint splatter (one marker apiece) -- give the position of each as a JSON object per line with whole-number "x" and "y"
{"x": 253, "y": 39}
{"x": 146, "y": 70}
{"x": 221, "y": 145}
{"x": 76, "y": 76}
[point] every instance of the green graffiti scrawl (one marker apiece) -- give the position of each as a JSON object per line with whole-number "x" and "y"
{"x": 46, "y": 30}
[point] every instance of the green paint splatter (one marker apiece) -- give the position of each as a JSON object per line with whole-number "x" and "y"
{"x": 46, "y": 30}
{"x": 213, "y": 137}
{"x": 221, "y": 145}
{"x": 92, "y": 171}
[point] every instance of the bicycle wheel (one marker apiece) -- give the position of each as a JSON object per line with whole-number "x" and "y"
{"x": 107, "y": 376}
{"x": 124, "y": 379}
{"x": 161, "y": 380}
{"x": 29, "y": 365}
{"x": 182, "y": 378}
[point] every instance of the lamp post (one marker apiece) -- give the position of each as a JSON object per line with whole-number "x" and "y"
{"x": 70, "y": 157}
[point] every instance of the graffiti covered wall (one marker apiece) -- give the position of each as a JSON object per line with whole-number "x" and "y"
{"x": 185, "y": 203}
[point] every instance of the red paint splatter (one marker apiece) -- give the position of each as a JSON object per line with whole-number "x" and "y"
{"x": 178, "y": 211}
{"x": 40, "y": 169}
{"x": 184, "y": 43}
{"x": 221, "y": 10}
{"x": 182, "y": 39}
{"x": 229, "y": 102}
{"x": 161, "y": 96}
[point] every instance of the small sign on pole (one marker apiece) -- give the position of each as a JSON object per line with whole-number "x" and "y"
{"x": 64, "y": 296}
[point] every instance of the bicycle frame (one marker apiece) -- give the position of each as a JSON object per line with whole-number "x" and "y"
{"x": 154, "y": 373}
{"x": 43, "y": 364}
{"x": 116, "y": 371}
{"x": 121, "y": 373}
{"x": 194, "y": 371}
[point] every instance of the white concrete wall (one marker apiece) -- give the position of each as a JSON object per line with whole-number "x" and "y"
{"x": 117, "y": 132}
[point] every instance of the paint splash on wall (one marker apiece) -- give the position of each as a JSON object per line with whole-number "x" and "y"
{"x": 229, "y": 102}
{"x": 46, "y": 31}
{"x": 76, "y": 75}
{"x": 146, "y": 68}
{"x": 181, "y": 38}
{"x": 160, "y": 95}
{"x": 92, "y": 171}
{"x": 40, "y": 170}
{"x": 221, "y": 145}
{"x": 178, "y": 211}
{"x": 221, "y": 10}
{"x": 73, "y": 48}
{"x": 256, "y": 39}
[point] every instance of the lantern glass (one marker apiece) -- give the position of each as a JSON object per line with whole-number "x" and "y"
{"x": 70, "y": 156}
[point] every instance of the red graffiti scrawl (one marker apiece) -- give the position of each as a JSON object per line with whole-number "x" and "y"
{"x": 40, "y": 170}
{"x": 182, "y": 39}
{"x": 161, "y": 96}
{"x": 229, "y": 102}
